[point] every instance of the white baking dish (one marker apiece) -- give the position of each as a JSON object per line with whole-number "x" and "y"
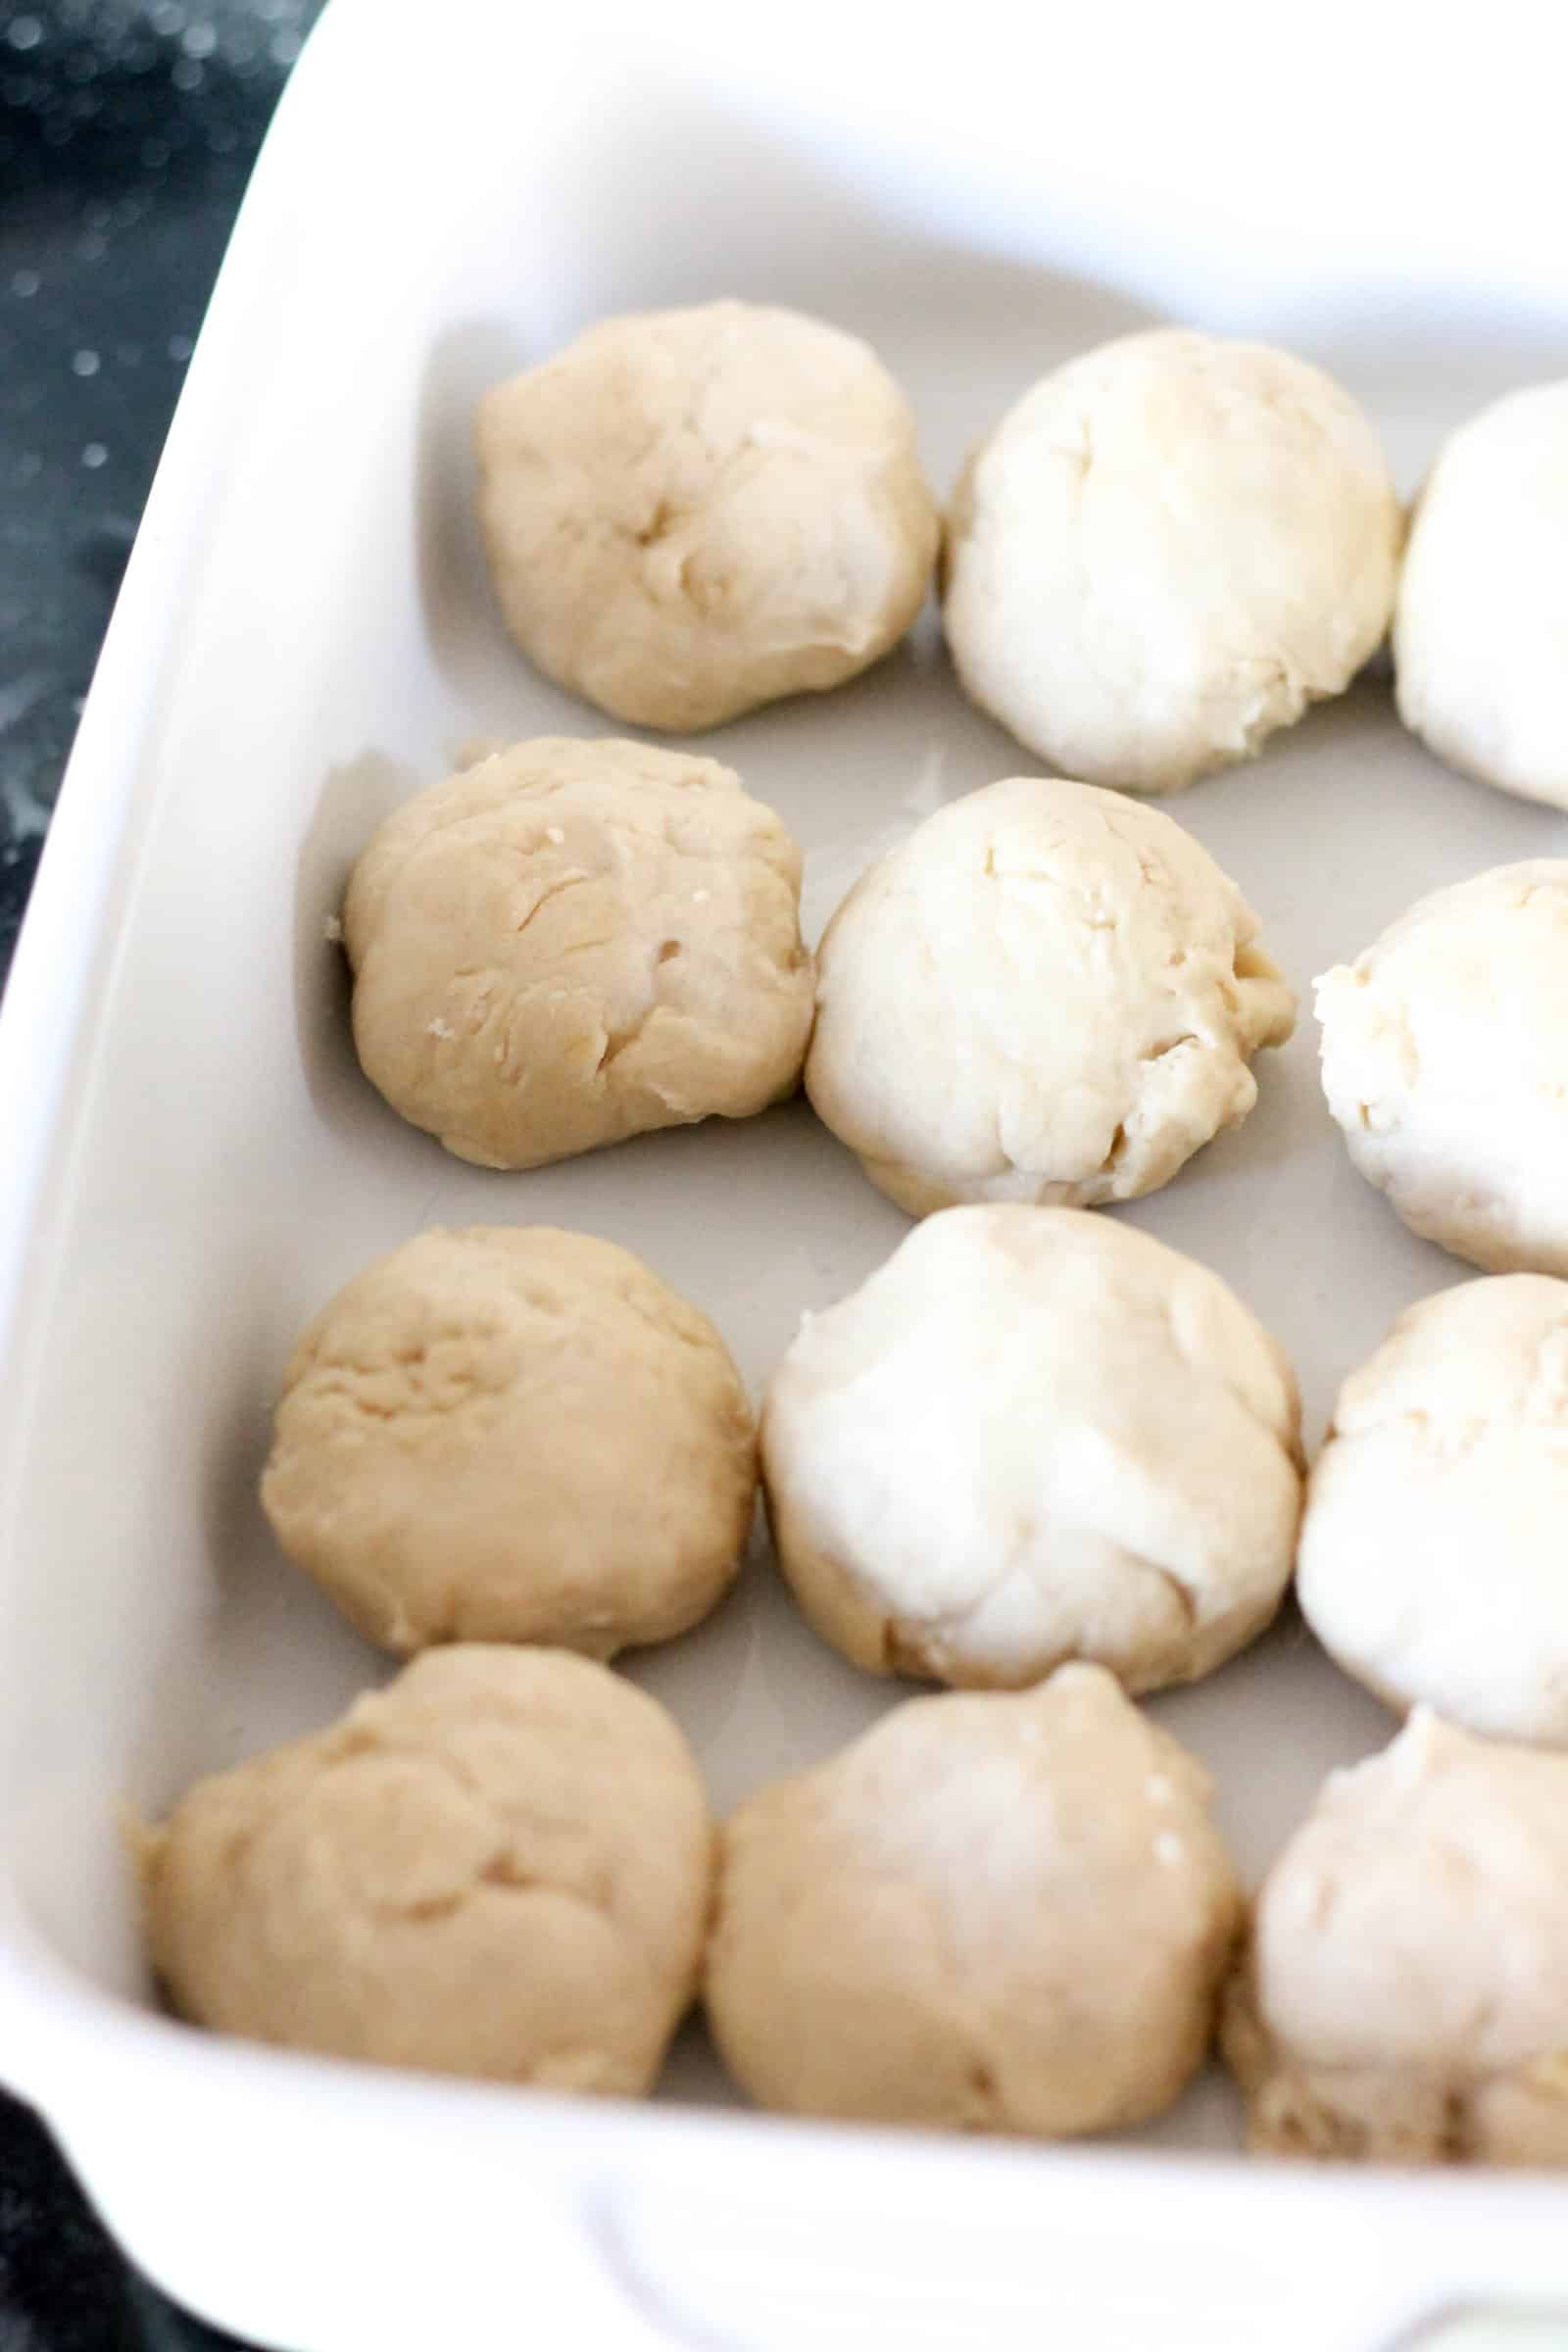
{"x": 192, "y": 1160}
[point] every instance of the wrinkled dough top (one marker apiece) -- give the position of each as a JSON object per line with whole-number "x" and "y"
{"x": 1035, "y": 1434}
{"x": 1047, "y": 993}
{"x": 574, "y": 942}
{"x": 1164, "y": 552}
{"x": 688, "y": 513}
{"x": 1446, "y": 1062}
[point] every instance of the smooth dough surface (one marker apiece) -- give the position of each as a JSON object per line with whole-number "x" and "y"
{"x": 1165, "y": 550}
{"x": 1008, "y": 1913}
{"x": 1047, "y": 994}
{"x": 499, "y": 1866}
{"x": 575, "y": 942}
{"x": 1445, "y": 1059}
{"x": 690, "y": 512}
{"x": 1481, "y": 628}
{"x": 513, "y": 1434}
{"x": 1404, "y": 1997}
{"x": 1034, "y": 1435}
{"x": 1433, "y": 1564}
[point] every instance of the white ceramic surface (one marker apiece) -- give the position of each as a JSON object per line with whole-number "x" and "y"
{"x": 304, "y": 638}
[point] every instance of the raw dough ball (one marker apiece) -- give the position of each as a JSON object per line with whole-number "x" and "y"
{"x": 1432, "y": 1559}
{"x": 1166, "y": 549}
{"x": 511, "y": 1434}
{"x": 688, "y": 512}
{"x": 1446, "y": 1062}
{"x": 1481, "y": 629}
{"x": 499, "y": 1866}
{"x": 1034, "y": 1435}
{"x": 1045, "y": 994}
{"x": 1405, "y": 1997}
{"x": 1007, "y": 1913}
{"x": 574, "y": 943}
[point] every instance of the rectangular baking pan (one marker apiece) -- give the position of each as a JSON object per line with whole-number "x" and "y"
{"x": 192, "y": 1160}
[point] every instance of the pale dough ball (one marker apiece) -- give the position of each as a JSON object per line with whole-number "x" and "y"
{"x": 574, "y": 943}
{"x": 513, "y": 1434}
{"x": 1481, "y": 628}
{"x": 1165, "y": 550}
{"x": 1405, "y": 1998}
{"x": 1431, "y": 1562}
{"x": 1012, "y": 1914}
{"x": 688, "y": 512}
{"x": 1034, "y": 1435}
{"x": 1047, "y": 993}
{"x": 499, "y": 1866}
{"x": 1445, "y": 1061}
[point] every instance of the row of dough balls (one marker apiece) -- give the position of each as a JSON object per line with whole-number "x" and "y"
{"x": 1003, "y": 1912}
{"x": 1033, "y": 1436}
{"x": 1165, "y": 550}
{"x": 1047, "y": 993}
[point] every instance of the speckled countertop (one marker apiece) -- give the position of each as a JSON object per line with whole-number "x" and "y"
{"x": 127, "y": 131}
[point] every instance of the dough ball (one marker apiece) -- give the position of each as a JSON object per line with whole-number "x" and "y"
{"x": 1045, "y": 994}
{"x": 511, "y": 1434}
{"x": 499, "y": 1866}
{"x": 690, "y": 512}
{"x": 1432, "y": 1560}
{"x": 574, "y": 943}
{"x": 1007, "y": 1913}
{"x": 1034, "y": 1435}
{"x": 1405, "y": 1997}
{"x": 1446, "y": 1062}
{"x": 1164, "y": 552}
{"x": 1480, "y": 628}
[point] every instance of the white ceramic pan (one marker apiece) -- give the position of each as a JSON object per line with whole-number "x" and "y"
{"x": 191, "y": 1160}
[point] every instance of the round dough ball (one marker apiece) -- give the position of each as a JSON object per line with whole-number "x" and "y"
{"x": 1165, "y": 550}
{"x": 500, "y": 1866}
{"x": 513, "y": 1434}
{"x": 574, "y": 943}
{"x": 1445, "y": 1061}
{"x": 1432, "y": 1561}
{"x": 1034, "y": 1435}
{"x": 690, "y": 512}
{"x": 1007, "y": 1913}
{"x": 1481, "y": 628}
{"x": 1045, "y": 994}
{"x": 1404, "y": 1997}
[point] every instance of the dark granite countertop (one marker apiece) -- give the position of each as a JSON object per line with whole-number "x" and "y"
{"x": 127, "y": 131}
